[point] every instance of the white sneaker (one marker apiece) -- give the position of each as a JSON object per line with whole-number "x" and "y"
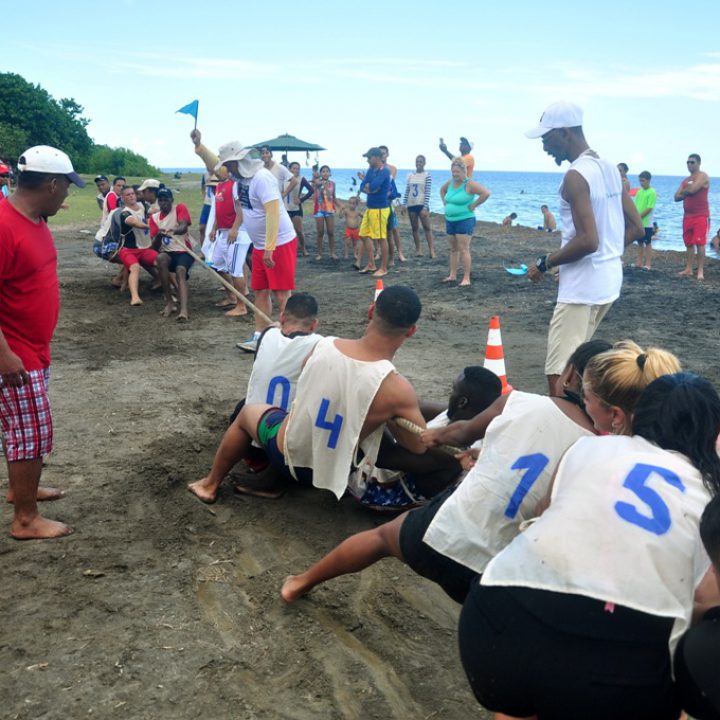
{"x": 250, "y": 345}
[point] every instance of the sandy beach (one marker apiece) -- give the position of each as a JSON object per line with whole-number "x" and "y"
{"x": 161, "y": 607}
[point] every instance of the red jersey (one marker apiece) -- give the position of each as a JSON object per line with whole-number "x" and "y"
{"x": 225, "y": 205}
{"x": 696, "y": 204}
{"x": 29, "y": 295}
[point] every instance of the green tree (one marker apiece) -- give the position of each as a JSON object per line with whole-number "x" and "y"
{"x": 13, "y": 141}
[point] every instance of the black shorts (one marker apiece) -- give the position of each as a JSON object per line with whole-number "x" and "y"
{"x": 180, "y": 259}
{"x": 697, "y": 668}
{"x": 295, "y": 213}
{"x": 455, "y": 579}
{"x": 518, "y": 665}
{"x": 415, "y": 209}
{"x": 646, "y": 239}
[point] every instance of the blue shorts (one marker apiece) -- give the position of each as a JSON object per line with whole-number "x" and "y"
{"x": 392, "y": 220}
{"x": 205, "y": 214}
{"x": 415, "y": 209}
{"x": 268, "y": 428}
{"x": 323, "y": 214}
{"x": 296, "y": 213}
{"x": 460, "y": 227}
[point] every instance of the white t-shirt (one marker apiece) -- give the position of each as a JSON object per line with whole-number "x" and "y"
{"x": 622, "y": 527}
{"x": 252, "y": 194}
{"x": 595, "y": 279}
{"x": 283, "y": 176}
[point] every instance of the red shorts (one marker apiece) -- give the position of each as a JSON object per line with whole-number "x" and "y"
{"x": 352, "y": 233}
{"x": 132, "y": 256}
{"x": 25, "y": 418}
{"x": 282, "y": 276}
{"x": 695, "y": 230}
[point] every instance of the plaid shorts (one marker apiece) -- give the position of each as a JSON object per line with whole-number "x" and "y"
{"x": 25, "y": 418}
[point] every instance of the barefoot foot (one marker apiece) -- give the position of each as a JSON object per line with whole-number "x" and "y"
{"x": 238, "y": 311}
{"x": 39, "y": 528}
{"x": 685, "y": 273}
{"x": 43, "y": 494}
{"x": 203, "y": 490}
{"x": 136, "y": 302}
{"x": 182, "y": 317}
{"x": 292, "y": 589}
{"x": 380, "y": 273}
{"x": 168, "y": 310}
{"x": 450, "y": 279}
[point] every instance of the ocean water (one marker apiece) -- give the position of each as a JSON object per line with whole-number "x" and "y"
{"x": 524, "y": 193}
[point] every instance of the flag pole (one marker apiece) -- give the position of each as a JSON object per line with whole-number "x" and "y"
{"x": 197, "y": 110}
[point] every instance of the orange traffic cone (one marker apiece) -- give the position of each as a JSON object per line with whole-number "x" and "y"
{"x": 494, "y": 358}
{"x": 379, "y": 287}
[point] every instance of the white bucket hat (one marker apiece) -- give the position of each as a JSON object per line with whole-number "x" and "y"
{"x": 234, "y": 150}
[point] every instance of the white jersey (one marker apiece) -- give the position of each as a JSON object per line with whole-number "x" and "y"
{"x": 595, "y": 279}
{"x": 522, "y": 448}
{"x": 277, "y": 367}
{"x": 170, "y": 242}
{"x": 622, "y": 528}
{"x": 334, "y": 394}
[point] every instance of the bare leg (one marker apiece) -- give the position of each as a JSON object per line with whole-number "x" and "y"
{"x": 352, "y": 555}
{"x": 383, "y": 258}
{"x": 163, "y": 264}
{"x": 330, "y": 225}
{"x": 134, "y": 284}
{"x": 452, "y": 240}
{"x": 320, "y": 231}
{"x": 281, "y": 298}
{"x": 648, "y": 257}
{"x": 415, "y": 228}
{"x": 28, "y": 524}
{"x": 263, "y": 302}
{"x": 230, "y": 300}
{"x": 466, "y": 258}
{"x": 688, "y": 261}
{"x": 427, "y": 227}
{"x": 232, "y": 449}
{"x": 182, "y": 292}
{"x": 701, "y": 262}
{"x": 369, "y": 249}
{"x": 297, "y": 222}
{"x": 240, "y": 308}
{"x": 398, "y": 244}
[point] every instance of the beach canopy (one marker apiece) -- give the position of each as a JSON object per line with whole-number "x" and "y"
{"x": 288, "y": 143}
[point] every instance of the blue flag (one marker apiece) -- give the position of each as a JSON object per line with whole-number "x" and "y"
{"x": 190, "y": 109}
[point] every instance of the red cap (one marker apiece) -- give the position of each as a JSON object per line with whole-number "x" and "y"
{"x": 4, "y": 169}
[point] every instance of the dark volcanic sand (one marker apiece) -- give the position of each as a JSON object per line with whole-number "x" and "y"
{"x": 160, "y": 607}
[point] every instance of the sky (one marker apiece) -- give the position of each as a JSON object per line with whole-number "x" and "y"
{"x": 353, "y": 75}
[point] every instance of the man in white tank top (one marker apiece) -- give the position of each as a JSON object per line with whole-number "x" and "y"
{"x": 598, "y": 219}
{"x": 347, "y": 394}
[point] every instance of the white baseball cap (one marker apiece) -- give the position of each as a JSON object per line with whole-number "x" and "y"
{"x": 150, "y": 185}
{"x": 560, "y": 114}
{"x": 46, "y": 159}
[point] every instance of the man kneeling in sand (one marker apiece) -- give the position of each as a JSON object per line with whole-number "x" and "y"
{"x": 347, "y": 393}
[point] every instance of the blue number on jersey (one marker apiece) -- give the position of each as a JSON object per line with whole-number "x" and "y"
{"x": 533, "y": 465}
{"x": 284, "y": 384}
{"x": 321, "y": 421}
{"x": 658, "y": 521}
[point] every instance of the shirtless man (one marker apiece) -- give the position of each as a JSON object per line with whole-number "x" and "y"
{"x": 350, "y": 212}
{"x": 549, "y": 224}
{"x": 341, "y": 378}
{"x": 693, "y": 193}
{"x": 508, "y": 221}
{"x": 623, "y": 169}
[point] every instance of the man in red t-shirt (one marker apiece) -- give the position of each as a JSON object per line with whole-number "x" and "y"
{"x": 693, "y": 193}
{"x": 29, "y": 306}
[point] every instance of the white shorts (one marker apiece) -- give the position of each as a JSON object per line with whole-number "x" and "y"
{"x": 230, "y": 257}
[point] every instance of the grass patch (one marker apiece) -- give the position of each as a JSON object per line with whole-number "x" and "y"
{"x": 84, "y": 209}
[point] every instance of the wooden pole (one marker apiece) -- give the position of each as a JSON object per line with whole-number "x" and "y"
{"x": 230, "y": 287}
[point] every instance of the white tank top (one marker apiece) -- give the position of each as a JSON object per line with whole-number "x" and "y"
{"x": 522, "y": 448}
{"x": 595, "y": 279}
{"x": 334, "y": 394}
{"x": 622, "y": 528}
{"x": 277, "y": 367}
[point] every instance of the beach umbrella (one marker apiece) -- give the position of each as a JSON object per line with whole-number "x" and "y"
{"x": 288, "y": 143}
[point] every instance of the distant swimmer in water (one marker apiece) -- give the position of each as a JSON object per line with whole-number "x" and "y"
{"x": 353, "y": 181}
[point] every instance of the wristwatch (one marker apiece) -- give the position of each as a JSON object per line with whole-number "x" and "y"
{"x": 543, "y": 264}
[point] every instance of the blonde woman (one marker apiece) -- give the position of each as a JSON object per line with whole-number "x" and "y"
{"x": 461, "y": 196}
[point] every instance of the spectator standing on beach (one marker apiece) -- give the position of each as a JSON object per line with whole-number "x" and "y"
{"x": 113, "y": 198}
{"x": 324, "y": 211}
{"x": 645, "y": 200}
{"x": 103, "y": 187}
{"x": 598, "y": 220}
{"x": 29, "y": 308}
{"x": 461, "y": 196}
{"x": 623, "y": 169}
{"x": 294, "y": 201}
{"x": 508, "y": 220}
{"x": 376, "y": 184}
{"x": 393, "y": 196}
{"x": 693, "y": 193}
{"x": 416, "y": 200}
{"x": 465, "y": 148}
{"x": 549, "y": 224}
{"x": 285, "y": 179}
{"x": 274, "y": 244}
